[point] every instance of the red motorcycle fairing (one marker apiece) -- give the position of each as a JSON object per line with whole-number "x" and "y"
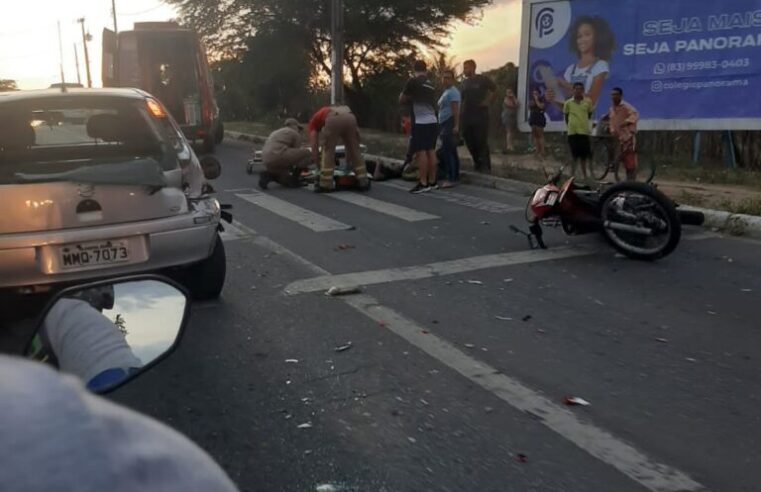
{"x": 544, "y": 201}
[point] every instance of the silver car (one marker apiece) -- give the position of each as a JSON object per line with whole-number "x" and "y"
{"x": 96, "y": 183}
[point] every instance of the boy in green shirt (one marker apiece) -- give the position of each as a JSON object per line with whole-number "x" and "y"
{"x": 578, "y": 111}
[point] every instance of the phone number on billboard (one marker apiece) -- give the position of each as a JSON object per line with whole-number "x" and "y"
{"x": 702, "y": 65}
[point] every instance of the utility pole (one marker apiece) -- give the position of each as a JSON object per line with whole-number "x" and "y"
{"x": 113, "y": 11}
{"x": 76, "y": 60}
{"x": 85, "y": 38}
{"x": 337, "y": 52}
{"x": 60, "y": 49}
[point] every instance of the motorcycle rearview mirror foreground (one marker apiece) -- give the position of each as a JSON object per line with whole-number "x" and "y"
{"x": 108, "y": 333}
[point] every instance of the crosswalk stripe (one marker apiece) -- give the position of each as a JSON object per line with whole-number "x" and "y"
{"x": 231, "y": 232}
{"x": 302, "y": 216}
{"x": 398, "y": 211}
{"x": 482, "y": 204}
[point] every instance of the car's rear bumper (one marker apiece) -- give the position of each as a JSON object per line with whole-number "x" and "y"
{"x": 25, "y": 259}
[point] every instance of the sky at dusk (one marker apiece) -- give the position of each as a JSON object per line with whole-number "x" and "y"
{"x": 29, "y": 49}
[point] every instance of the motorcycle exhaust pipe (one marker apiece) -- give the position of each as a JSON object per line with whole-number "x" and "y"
{"x": 617, "y": 226}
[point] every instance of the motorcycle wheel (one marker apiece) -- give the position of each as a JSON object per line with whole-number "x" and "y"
{"x": 640, "y": 205}
{"x": 600, "y": 163}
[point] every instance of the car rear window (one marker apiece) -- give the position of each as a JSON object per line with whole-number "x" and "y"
{"x": 58, "y": 134}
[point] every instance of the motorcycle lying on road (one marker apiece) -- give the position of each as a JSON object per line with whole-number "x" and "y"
{"x": 636, "y": 219}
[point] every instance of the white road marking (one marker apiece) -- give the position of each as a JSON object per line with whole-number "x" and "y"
{"x": 596, "y": 441}
{"x": 382, "y": 207}
{"x": 452, "y": 267}
{"x": 302, "y": 216}
{"x": 599, "y": 443}
{"x": 482, "y": 204}
{"x": 232, "y": 232}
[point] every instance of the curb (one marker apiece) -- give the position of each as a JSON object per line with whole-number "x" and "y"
{"x": 733, "y": 224}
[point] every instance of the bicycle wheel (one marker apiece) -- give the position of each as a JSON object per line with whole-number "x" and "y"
{"x": 600, "y": 163}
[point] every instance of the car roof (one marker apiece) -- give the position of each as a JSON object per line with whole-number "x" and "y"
{"x": 119, "y": 93}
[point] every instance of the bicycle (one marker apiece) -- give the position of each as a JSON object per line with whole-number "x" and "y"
{"x": 606, "y": 158}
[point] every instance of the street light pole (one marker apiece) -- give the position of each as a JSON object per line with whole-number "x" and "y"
{"x": 60, "y": 49}
{"x": 337, "y": 52}
{"x": 113, "y": 11}
{"x": 87, "y": 54}
{"x": 76, "y": 61}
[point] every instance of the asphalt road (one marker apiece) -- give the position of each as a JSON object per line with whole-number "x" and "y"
{"x": 463, "y": 345}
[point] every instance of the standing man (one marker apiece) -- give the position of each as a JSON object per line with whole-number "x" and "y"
{"x": 331, "y": 124}
{"x": 284, "y": 156}
{"x": 420, "y": 94}
{"x": 623, "y": 125}
{"x": 578, "y": 111}
{"x": 449, "y": 120}
{"x": 477, "y": 93}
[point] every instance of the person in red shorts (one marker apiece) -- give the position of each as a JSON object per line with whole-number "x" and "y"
{"x": 623, "y": 125}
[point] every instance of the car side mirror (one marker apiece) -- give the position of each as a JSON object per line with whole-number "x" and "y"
{"x": 212, "y": 169}
{"x": 108, "y": 333}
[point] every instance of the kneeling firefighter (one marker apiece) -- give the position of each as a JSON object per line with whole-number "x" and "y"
{"x": 334, "y": 123}
{"x": 284, "y": 156}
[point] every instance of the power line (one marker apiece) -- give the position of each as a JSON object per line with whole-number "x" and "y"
{"x": 132, "y": 14}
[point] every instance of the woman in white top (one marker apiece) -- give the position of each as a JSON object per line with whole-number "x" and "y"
{"x": 593, "y": 42}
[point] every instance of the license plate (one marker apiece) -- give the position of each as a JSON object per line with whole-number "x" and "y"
{"x": 82, "y": 255}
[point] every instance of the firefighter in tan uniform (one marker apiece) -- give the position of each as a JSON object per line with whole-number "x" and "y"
{"x": 336, "y": 123}
{"x": 284, "y": 156}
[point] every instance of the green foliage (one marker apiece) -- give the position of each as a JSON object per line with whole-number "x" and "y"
{"x": 7, "y": 85}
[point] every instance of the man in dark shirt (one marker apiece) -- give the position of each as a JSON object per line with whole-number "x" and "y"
{"x": 477, "y": 92}
{"x": 420, "y": 95}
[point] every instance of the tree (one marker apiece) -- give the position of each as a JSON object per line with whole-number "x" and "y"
{"x": 378, "y": 34}
{"x": 7, "y": 85}
{"x": 121, "y": 324}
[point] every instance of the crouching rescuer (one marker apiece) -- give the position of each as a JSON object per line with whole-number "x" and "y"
{"x": 284, "y": 156}
{"x": 327, "y": 126}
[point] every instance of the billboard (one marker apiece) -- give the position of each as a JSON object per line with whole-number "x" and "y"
{"x": 684, "y": 64}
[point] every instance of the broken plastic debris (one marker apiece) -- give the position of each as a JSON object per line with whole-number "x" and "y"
{"x": 344, "y": 348}
{"x": 342, "y": 291}
{"x": 746, "y": 290}
{"x": 507, "y": 280}
{"x": 690, "y": 359}
{"x": 306, "y": 425}
{"x": 485, "y": 222}
{"x": 527, "y": 317}
{"x": 575, "y": 400}
{"x": 469, "y": 345}
{"x": 521, "y": 457}
{"x": 503, "y": 318}
{"x": 291, "y": 361}
{"x": 327, "y": 487}
{"x": 488, "y": 409}
{"x": 412, "y": 440}
{"x": 344, "y": 247}
{"x": 475, "y": 282}
{"x": 712, "y": 313}
{"x": 662, "y": 340}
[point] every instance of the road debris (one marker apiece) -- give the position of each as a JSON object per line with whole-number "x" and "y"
{"x": 291, "y": 361}
{"x": 690, "y": 359}
{"x": 424, "y": 332}
{"x": 345, "y": 247}
{"x": 573, "y": 401}
{"x": 521, "y": 457}
{"x": 344, "y": 348}
{"x": 712, "y": 313}
{"x": 475, "y": 282}
{"x": 382, "y": 324}
{"x": 539, "y": 330}
{"x": 306, "y": 425}
{"x": 485, "y": 222}
{"x": 470, "y": 346}
{"x": 488, "y": 409}
{"x": 507, "y": 280}
{"x": 307, "y": 452}
{"x": 528, "y": 317}
{"x": 412, "y": 440}
{"x": 746, "y": 290}
{"x": 662, "y": 340}
{"x": 342, "y": 291}
{"x": 503, "y": 318}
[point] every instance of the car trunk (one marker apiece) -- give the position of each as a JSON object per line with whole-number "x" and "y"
{"x": 82, "y": 162}
{"x": 62, "y": 205}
